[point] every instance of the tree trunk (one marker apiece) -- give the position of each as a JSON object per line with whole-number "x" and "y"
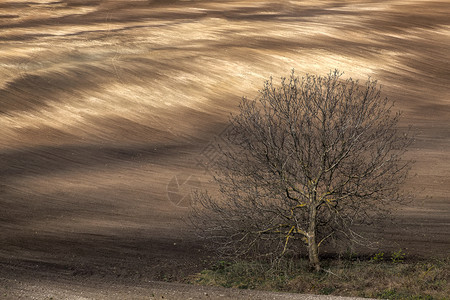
{"x": 313, "y": 249}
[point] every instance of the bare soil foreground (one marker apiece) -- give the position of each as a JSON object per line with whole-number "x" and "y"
{"x": 76, "y": 289}
{"x": 106, "y": 108}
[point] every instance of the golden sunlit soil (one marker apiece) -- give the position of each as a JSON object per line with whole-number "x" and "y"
{"x": 104, "y": 105}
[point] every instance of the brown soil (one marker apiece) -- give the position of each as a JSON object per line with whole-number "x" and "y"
{"x": 105, "y": 106}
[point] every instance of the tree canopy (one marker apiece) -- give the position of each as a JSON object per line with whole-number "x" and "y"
{"x": 302, "y": 164}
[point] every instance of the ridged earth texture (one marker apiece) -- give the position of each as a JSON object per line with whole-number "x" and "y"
{"x": 109, "y": 110}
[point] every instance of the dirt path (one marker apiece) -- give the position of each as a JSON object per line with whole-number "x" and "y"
{"x": 149, "y": 290}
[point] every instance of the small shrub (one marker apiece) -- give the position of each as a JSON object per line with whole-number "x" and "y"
{"x": 220, "y": 265}
{"x": 378, "y": 257}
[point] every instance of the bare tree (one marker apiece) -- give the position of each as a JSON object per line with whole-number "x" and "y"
{"x": 302, "y": 164}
